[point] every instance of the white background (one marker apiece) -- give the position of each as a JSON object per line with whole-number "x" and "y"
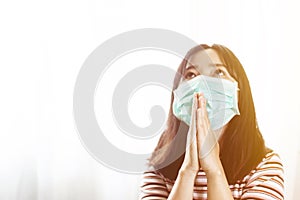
{"x": 44, "y": 43}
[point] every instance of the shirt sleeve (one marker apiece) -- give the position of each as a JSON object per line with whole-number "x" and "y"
{"x": 267, "y": 182}
{"x": 153, "y": 187}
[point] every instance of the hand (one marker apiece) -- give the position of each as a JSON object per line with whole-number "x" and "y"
{"x": 191, "y": 162}
{"x": 207, "y": 143}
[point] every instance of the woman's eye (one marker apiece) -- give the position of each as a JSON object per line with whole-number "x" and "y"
{"x": 190, "y": 75}
{"x": 219, "y": 72}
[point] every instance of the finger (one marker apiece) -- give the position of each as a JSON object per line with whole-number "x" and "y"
{"x": 206, "y": 139}
{"x": 200, "y": 96}
{"x": 192, "y": 129}
{"x": 203, "y": 112}
{"x": 201, "y": 115}
{"x": 193, "y": 114}
{"x": 199, "y": 106}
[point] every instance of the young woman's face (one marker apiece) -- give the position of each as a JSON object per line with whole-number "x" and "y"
{"x": 206, "y": 62}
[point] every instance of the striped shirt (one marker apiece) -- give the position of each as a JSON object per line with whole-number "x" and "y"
{"x": 264, "y": 182}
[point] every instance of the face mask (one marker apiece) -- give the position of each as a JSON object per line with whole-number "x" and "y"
{"x": 220, "y": 95}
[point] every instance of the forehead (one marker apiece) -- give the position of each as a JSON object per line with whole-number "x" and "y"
{"x": 204, "y": 58}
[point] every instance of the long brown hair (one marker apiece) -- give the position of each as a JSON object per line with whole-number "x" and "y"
{"x": 241, "y": 146}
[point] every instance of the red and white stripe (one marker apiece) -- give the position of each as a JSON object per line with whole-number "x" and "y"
{"x": 264, "y": 182}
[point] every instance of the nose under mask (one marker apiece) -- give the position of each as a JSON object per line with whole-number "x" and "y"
{"x": 220, "y": 95}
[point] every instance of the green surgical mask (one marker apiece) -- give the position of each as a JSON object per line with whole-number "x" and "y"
{"x": 220, "y": 94}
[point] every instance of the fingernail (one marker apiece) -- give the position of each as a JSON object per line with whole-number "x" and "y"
{"x": 199, "y": 98}
{"x": 202, "y": 101}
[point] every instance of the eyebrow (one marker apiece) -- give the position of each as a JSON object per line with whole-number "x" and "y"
{"x": 219, "y": 65}
{"x": 190, "y": 67}
{"x": 211, "y": 65}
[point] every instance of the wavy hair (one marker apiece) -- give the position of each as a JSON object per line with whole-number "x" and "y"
{"x": 242, "y": 146}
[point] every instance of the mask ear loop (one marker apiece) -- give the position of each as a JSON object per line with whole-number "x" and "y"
{"x": 181, "y": 80}
{"x": 237, "y": 97}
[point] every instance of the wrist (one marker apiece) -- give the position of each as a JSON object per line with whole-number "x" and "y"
{"x": 187, "y": 172}
{"x": 215, "y": 171}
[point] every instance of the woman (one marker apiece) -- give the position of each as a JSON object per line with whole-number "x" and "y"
{"x": 200, "y": 156}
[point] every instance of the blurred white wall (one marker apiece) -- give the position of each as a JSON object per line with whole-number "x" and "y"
{"x": 44, "y": 43}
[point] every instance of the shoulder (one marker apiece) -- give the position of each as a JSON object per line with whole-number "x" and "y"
{"x": 153, "y": 185}
{"x": 270, "y": 164}
{"x": 152, "y": 175}
{"x": 271, "y": 158}
{"x": 267, "y": 179}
